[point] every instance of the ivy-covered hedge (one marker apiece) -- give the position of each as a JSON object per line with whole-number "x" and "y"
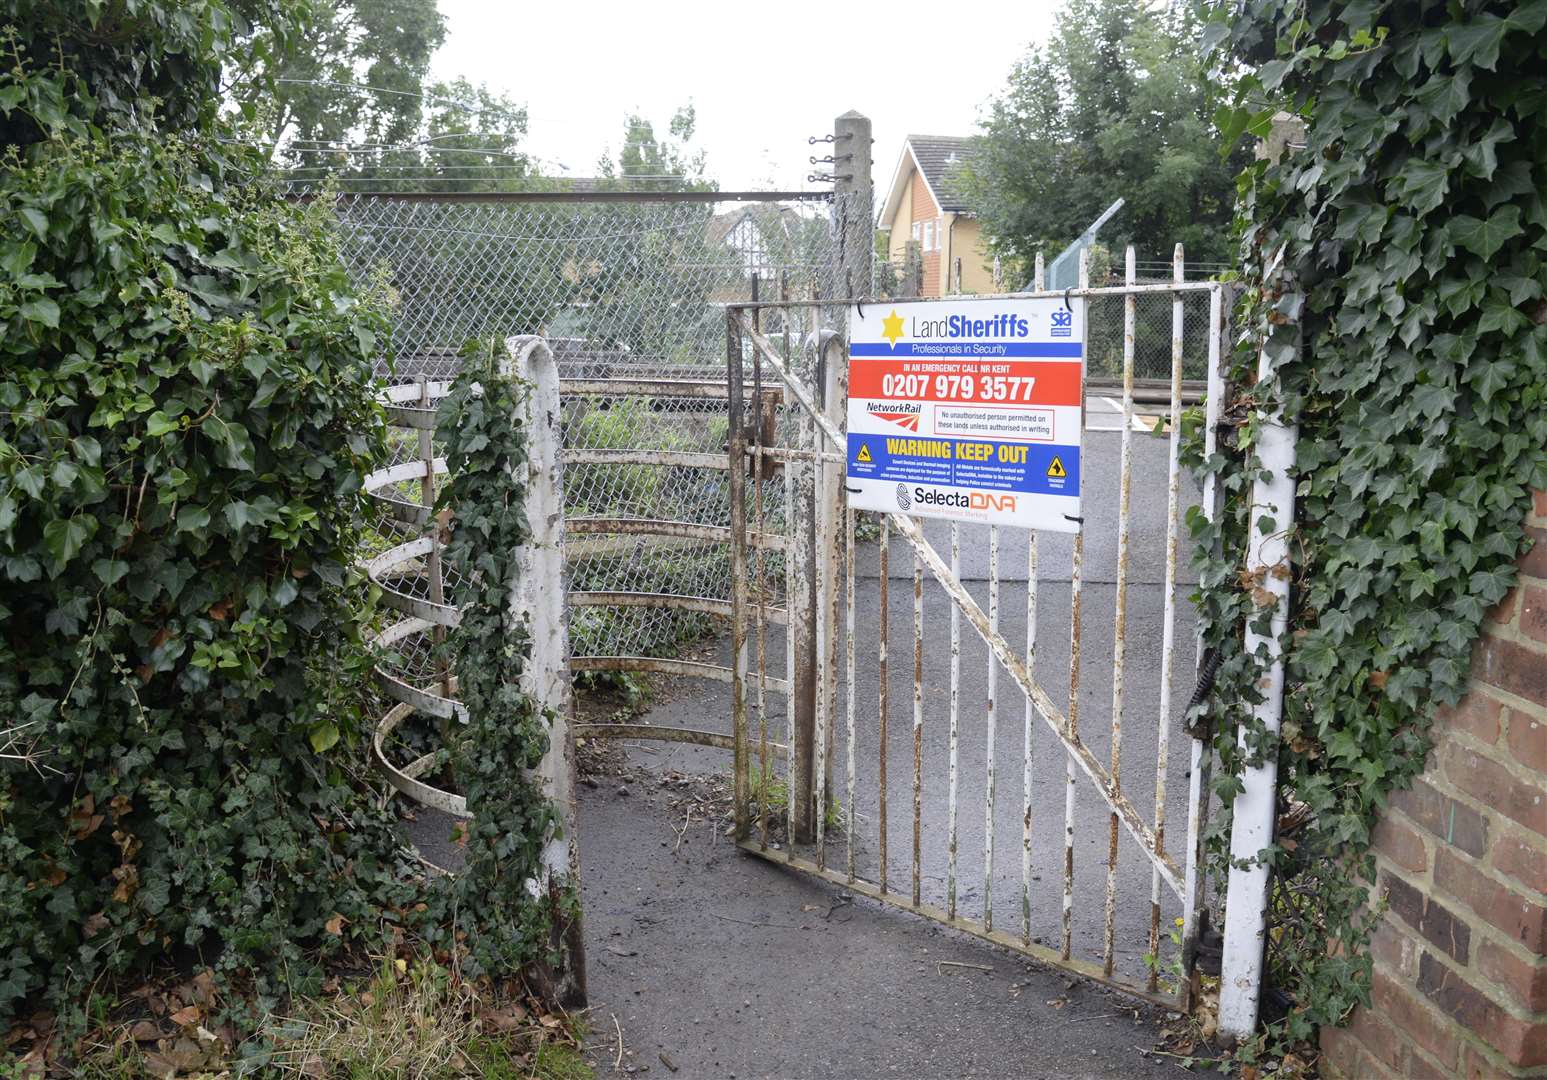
{"x": 1413, "y": 228}
{"x": 504, "y": 924}
{"x": 186, "y": 415}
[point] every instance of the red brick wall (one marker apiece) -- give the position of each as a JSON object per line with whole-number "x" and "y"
{"x": 1461, "y": 955}
{"x": 924, "y": 209}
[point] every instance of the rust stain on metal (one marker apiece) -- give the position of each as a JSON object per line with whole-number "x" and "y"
{"x": 1079, "y": 754}
{"x": 1072, "y": 738}
{"x": 848, "y": 645}
{"x": 764, "y": 774}
{"x": 974, "y": 928}
{"x": 991, "y": 732}
{"x": 685, "y": 530}
{"x": 918, "y": 716}
{"x": 955, "y": 720}
{"x": 1120, "y": 627}
{"x": 1168, "y": 631}
{"x": 659, "y": 733}
{"x": 736, "y": 451}
{"x": 1028, "y": 722}
{"x": 881, "y": 663}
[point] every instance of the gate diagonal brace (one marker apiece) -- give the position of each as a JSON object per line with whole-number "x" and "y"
{"x": 910, "y": 530}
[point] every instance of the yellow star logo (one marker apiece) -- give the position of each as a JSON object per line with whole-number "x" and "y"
{"x": 892, "y": 328}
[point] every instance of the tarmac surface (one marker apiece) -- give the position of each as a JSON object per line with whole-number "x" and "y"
{"x": 723, "y": 964}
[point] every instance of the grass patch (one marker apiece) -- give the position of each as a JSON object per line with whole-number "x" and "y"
{"x": 411, "y": 1020}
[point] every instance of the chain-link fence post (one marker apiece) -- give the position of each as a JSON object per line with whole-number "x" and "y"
{"x": 854, "y": 199}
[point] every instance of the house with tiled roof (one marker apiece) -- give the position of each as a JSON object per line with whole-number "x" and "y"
{"x": 925, "y": 205}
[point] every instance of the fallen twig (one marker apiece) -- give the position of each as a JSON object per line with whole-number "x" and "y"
{"x": 686, "y": 821}
{"x": 747, "y": 922}
{"x": 1182, "y": 1061}
{"x": 940, "y": 964}
{"x": 617, "y": 1061}
{"x": 668, "y": 1062}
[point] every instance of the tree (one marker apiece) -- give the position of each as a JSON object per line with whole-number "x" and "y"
{"x": 354, "y": 74}
{"x": 648, "y": 163}
{"x": 347, "y": 98}
{"x": 1115, "y": 105}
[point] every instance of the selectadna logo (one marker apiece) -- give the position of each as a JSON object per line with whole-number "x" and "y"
{"x": 904, "y": 500}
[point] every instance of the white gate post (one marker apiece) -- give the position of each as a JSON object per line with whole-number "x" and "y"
{"x": 1272, "y": 515}
{"x": 538, "y": 596}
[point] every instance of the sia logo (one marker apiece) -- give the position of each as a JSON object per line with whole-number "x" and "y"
{"x": 904, "y": 500}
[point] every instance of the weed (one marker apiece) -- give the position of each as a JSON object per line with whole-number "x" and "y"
{"x": 559, "y": 1061}
{"x": 834, "y": 820}
{"x": 1175, "y": 974}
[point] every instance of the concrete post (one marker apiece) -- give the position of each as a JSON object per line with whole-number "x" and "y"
{"x": 855, "y": 203}
{"x": 538, "y": 596}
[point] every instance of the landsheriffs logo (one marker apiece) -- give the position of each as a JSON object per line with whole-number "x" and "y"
{"x": 904, "y": 414}
{"x": 891, "y": 328}
{"x": 904, "y": 500}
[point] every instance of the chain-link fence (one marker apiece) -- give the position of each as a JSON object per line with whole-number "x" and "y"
{"x": 626, "y": 293}
{"x": 621, "y": 289}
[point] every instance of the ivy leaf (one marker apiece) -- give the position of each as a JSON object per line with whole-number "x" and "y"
{"x": 1492, "y": 378}
{"x": 109, "y": 571}
{"x": 323, "y": 736}
{"x": 1477, "y": 42}
{"x": 1444, "y": 96}
{"x": 239, "y": 515}
{"x": 42, "y": 310}
{"x": 1484, "y": 236}
{"x": 16, "y": 259}
{"x": 159, "y": 424}
{"x": 234, "y": 446}
{"x": 35, "y": 220}
{"x": 1482, "y": 156}
{"x": 1423, "y": 183}
{"x": 63, "y": 537}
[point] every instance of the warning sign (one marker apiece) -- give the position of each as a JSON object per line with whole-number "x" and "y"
{"x": 968, "y": 409}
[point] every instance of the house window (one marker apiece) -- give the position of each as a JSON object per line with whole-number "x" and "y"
{"x": 917, "y": 227}
{"x": 929, "y": 236}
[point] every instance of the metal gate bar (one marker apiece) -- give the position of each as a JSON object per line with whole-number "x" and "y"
{"x": 963, "y": 602}
{"x": 824, "y": 449}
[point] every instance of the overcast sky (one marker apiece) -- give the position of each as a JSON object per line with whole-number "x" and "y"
{"x": 762, "y": 77}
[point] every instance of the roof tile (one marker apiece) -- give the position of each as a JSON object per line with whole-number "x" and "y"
{"x": 940, "y": 157}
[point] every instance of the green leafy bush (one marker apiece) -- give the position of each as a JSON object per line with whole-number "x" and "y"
{"x": 1413, "y": 227}
{"x": 503, "y": 924}
{"x": 186, "y": 415}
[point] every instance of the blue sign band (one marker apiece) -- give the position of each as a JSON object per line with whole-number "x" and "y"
{"x": 1069, "y": 349}
{"x": 979, "y": 464}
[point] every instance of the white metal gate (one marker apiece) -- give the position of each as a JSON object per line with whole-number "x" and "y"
{"x": 847, "y": 732}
